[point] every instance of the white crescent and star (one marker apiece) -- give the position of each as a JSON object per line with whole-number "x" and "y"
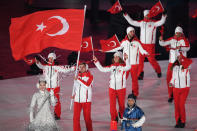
{"x": 158, "y": 8}
{"x": 60, "y": 32}
{"x": 86, "y": 44}
{"x": 114, "y": 44}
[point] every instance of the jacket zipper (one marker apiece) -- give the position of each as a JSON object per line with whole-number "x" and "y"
{"x": 179, "y": 77}
{"x": 115, "y": 78}
{"x": 145, "y": 32}
{"x": 50, "y": 77}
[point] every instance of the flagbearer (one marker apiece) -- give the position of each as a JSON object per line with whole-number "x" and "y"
{"x": 51, "y": 73}
{"x": 131, "y": 46}
{"x": 148, "y": 38}
{"x": 82, "y": 97}
{"x": 176, "y": 45}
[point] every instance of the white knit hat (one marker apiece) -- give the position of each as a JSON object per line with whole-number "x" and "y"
{"x": 178, "y": 29}
{"x": 119, "y": 54}
{"x": 146, "y": 12}
{"x": 129, "y": 29}
{"x": 53, "y": 55}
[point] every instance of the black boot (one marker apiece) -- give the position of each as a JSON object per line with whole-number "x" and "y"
{"x": 141, "y": 76}
{"x": 159, "y": 75}
{"x": 182, "y": 125}
{"x": 170, "y": 99}
{"x": 56, "y": 117}
{"x": 179, "y": 124}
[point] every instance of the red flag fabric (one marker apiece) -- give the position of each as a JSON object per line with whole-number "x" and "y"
{"x": 110, "y": 44}
{"x": 86, "y": 44}
{"x": 155, "y": 10}
{"x": 30, "y": 61}
{"x": 116, "y": 8}
{"x": 186, "y": 62}
{"x": 32, "y": 33}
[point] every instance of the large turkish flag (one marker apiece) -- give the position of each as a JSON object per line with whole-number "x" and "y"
{"x": 60, "y": 28}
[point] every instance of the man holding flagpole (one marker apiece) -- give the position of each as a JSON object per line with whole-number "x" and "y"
{"x": 51, "y": 74}
{"x": 148, "y": 36}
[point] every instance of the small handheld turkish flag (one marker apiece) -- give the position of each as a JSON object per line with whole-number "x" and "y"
{"x": 86, "y": 44}
{"x": 110, "y": 44}
{"x": 60, "y": 28}
{"x": 186, "y": 62}
{"x": 155, "y": 10}
{"x": 116, "y": 8}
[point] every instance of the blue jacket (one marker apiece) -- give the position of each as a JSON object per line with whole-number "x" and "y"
{"x": 134, "y": 114}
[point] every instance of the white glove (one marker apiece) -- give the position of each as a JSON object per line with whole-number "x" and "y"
{"x": 123, "y": 119}
{"x": 139, "y": 123}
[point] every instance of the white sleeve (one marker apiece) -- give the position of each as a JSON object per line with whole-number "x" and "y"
{"x": 64, "y": 69}
{"x": 40, "y": 65}
{"x": 173, "y": 77}
{"x": 164, "y": 43}
{"x": 140, "y": 122}
{"x": 115, "y": 49}
{"x": 185, "y": 48}
{"x": 103, "y": 69}
{"x": 188, "y": 78}
{"x": 32, "y": 105}
{"x": 131, "y": 21}
{"x": 161, "y": 22}
{"x": 141, "y": 49}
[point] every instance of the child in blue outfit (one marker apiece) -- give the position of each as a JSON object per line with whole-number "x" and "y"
{"x": 133, "y": 117}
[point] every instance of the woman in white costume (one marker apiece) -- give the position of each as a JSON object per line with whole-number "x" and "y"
{"x": 41, "y": 119}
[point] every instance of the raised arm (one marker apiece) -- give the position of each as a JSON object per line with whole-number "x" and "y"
{"x": 39, "y": 64}
{"x": 162, "y": 21}
{"x": 100, "y": 67}
{"x": 131, "y": 21}
{"x": 65, "y": 69}
{"x": 164, "y": 43}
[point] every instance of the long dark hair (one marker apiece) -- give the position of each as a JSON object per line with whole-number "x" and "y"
{"x": 120, "y": 61}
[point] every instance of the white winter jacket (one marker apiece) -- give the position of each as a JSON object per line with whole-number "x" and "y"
{"x": 148, "y": 28}
{"x": 51, "y": 73}
{"x": 132, "y": 49}
{"x": 118, "y": 74}
{"x": 174, "y": 44}
{"x": 83, "y": 87}
{"x": 180, "y": 77}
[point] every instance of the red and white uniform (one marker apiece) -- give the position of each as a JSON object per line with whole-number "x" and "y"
{"x": 148, "y": 38}
{"x": 82, "y": 100}
{"x": 176, "y": 46}
{"x": 133, "y": 49}
{"x": 51, "y": 74}
{"x": 117, "y": 86}
{"x": 181, "y": 85}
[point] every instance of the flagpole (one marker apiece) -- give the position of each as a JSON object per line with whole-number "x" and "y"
{"x": 161, "y": 4}
{"x": 92, "y": 46}
{"x": 76, "y": 71}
